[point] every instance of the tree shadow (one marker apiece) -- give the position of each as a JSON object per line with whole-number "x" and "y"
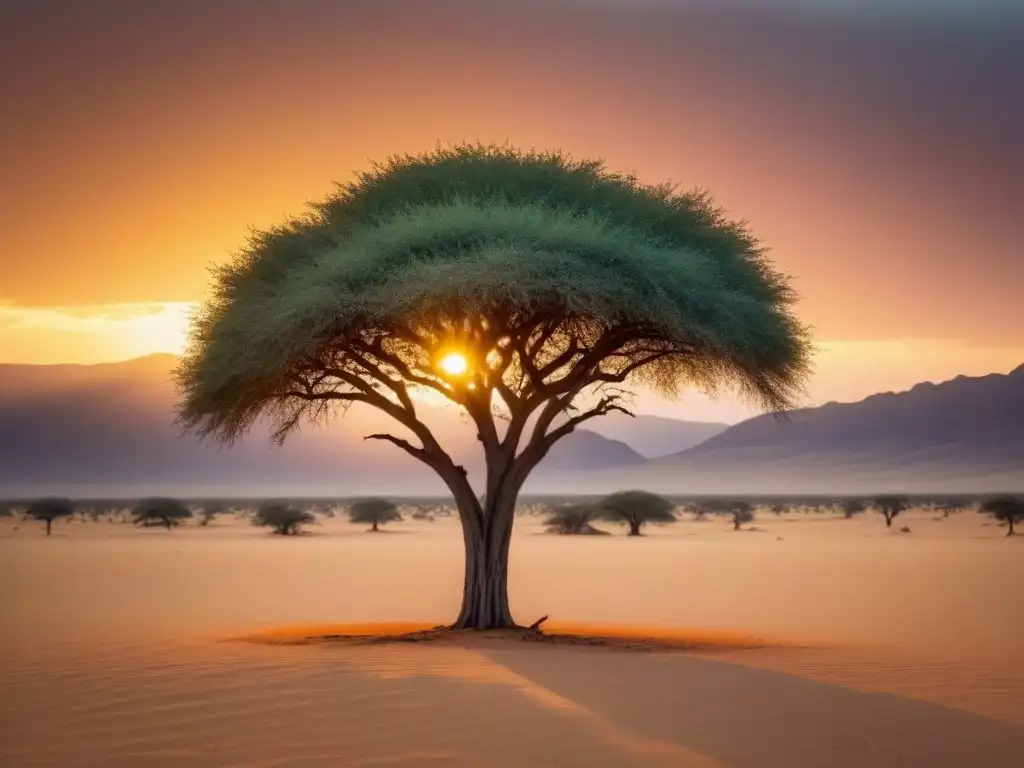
{"x": 753, "y": 718}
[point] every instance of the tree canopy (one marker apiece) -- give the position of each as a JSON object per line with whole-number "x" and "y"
{"x": 572, "y": 519}
{"x": 1006, "y": 509}
{"x": 49, "y": 509}
{"x": 636, "y": 509}
{"x": 890, "y": 506}
{"x": 543, "y": 277}
{"x": 160, "y": 511}
{"x": 285, "y": 519}
{"x": 374, "y": 512}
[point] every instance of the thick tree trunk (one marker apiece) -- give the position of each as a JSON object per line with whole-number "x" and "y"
{"x": 48, "y": 524}
{"x": 634, "y": 528}
{"x": 374, "y": 526}
{"x": 888, "y": 521}
{"x": 736, "y": 524}
{"x": 485, "y": 588}
{"x": 1009, "y": 523}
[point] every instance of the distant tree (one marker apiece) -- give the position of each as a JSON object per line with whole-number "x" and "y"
{"x": 422, "y": 513}
{"x": 49, "y": 509}
{"x": 572, "y": 519}
{"x": 160, "y": 511}
{"x": 210, "y": 511}
{"x": 742, "y": 512}
{"x": 285, "y": 519}
{"x": 951, "y": 506}
{"x": 851, "y": 508}
{"x": 1005, "y": 509}
{"x": 779, "y": 508}
{"x": 890, "y": 507}
{"x": 374, "y": 512}
{"x": 635, "y": 509}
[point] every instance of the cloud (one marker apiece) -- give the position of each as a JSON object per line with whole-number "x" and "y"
{"x": 90, "y": 334}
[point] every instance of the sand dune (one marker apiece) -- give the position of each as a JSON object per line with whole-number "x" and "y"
{"x": 114, "y": 648}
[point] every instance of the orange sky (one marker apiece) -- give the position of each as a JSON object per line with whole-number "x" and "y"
{"x": 880, "y": 157}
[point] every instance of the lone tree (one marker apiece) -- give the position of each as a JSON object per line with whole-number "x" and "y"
{"x": 50, "y": 509}
{"x": 890, "y": 507}
{"x": 374, "y": 512}
{"x": 742, "y": 512}
{"x": 572, "y": 519}
{"x": 851, "y": 508}
{"x": 636, "y": 509}
{"x": 285, "y": 519}
{"x": 523, "y": 287}
{"x": 1005, "y": 509}
{"x": 160, "y": 511}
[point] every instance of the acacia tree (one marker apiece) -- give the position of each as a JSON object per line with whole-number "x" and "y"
{"x": 1005, "y": 509}
{"x": 890, "y": 507}
{"x": 636, "y": 509}
{"x": 49, "y": 509}
{"x": 741, "y": 511}
{"x": 851, "y": 508}
{"x": 523, "y": 287}
{"x": 374, "y": 512}
{"x": 286, "y": 520}
{"x": 572, "y": 519}
{"x": 160, "y": 511}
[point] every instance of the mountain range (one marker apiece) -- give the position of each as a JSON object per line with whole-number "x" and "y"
{"x": 107, "y": 430}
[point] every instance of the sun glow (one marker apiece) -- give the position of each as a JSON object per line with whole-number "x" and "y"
{"x": 454, "y": 364}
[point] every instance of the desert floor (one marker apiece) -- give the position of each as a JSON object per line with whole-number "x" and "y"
{"x": 896, "y": 649}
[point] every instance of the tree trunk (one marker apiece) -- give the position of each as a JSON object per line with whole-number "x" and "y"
{"x": 1009, "y": 523}
{"x": 634, "y": 528}
{"x": 888, "y": 520}
{"x": 735, "y": 523}
{"x": 374, "y": 526}
{"x": 487, "y": 539}
{"x": 48, "y": 524}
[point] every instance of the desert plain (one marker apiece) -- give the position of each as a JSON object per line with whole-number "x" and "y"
{"x": 826, "y": 642}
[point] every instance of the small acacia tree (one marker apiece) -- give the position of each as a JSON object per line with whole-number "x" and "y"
{"x": 742, "y": 512}
{"x": 160, "y": 511}
{"x": 851, "y": 508}
{"x": 572, "y": 519}
{"x": 523, "y": 287}
{"x": 635, "y": 509}
{"x": 285, "y": 519}
{"x": 1005, "y": 509}
{"x": 49, "y": 509}
{"x": 374, "y": 512}
{"x": 890, "y": 507}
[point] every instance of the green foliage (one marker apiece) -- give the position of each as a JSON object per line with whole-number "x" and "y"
{"x": 160, "y": 511}
{"x": 572, "y": 519}
{"x": 635, "y": 509}
{"x": 493, "y": 232}
{"x": 1005, "y": 509}
{"x": 49, "y": 509}
{"x": 285, "y": 519}
{"x": 374, "y": 512}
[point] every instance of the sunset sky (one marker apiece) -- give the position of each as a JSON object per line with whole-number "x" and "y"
{"x": 878, "y": 153}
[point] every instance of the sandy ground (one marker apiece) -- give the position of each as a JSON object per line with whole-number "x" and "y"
{"x": 895, "y": 649}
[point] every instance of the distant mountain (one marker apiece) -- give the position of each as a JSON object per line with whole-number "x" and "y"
{"x": 962, "y": 435}
{"x": 655, "y": 436}
{"x": 108, "y": 429}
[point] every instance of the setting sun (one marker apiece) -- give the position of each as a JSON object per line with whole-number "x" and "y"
{"x": 454, "y": 364}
